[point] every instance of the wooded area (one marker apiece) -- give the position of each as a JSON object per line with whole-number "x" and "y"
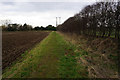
{"x": 25, "y": 27}
{"x": 100, "y": 19}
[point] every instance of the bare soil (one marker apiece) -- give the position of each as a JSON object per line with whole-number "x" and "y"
{"x": 16, "y": 43}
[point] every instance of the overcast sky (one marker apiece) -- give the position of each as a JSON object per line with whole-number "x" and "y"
{"x": 40, "y": 13}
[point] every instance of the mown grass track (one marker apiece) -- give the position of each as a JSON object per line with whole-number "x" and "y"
{"x": 52, "y": 58}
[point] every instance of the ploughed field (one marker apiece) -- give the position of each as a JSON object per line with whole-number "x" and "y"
{"x": 16, "y": 43}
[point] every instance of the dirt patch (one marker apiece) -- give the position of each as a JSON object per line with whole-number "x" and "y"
{"x": 16, "y": 43}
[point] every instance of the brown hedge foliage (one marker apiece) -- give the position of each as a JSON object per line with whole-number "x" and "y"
{"x": 100, "y": 19}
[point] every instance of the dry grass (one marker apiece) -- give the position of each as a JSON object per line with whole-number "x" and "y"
{"x": 102, "y": 56}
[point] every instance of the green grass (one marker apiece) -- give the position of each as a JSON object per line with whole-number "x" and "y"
{"x": 69, "y": 66}
{"x": 51, "y": 58}
{"x": 106, "y": 34}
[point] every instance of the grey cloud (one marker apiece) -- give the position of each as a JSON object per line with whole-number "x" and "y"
{"x": 44, "y": 6}
{"x": 43, "y": 12}
{"x": 8, "y": 3}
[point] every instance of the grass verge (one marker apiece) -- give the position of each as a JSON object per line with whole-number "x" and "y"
{"x": 52, "y": 58}
{"x": 97, "y": 54}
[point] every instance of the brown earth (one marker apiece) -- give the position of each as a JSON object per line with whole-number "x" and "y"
{"x": 16, "y": 43}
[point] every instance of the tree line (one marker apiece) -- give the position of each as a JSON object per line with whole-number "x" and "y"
{"x": 49, "y": 27}
{"x": 100, "y": 19}
{"x": 25, "y": 27}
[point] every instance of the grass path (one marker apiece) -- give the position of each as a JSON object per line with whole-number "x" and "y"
{"x": 52, "y": 58}
{"x": 52, "y": 50}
